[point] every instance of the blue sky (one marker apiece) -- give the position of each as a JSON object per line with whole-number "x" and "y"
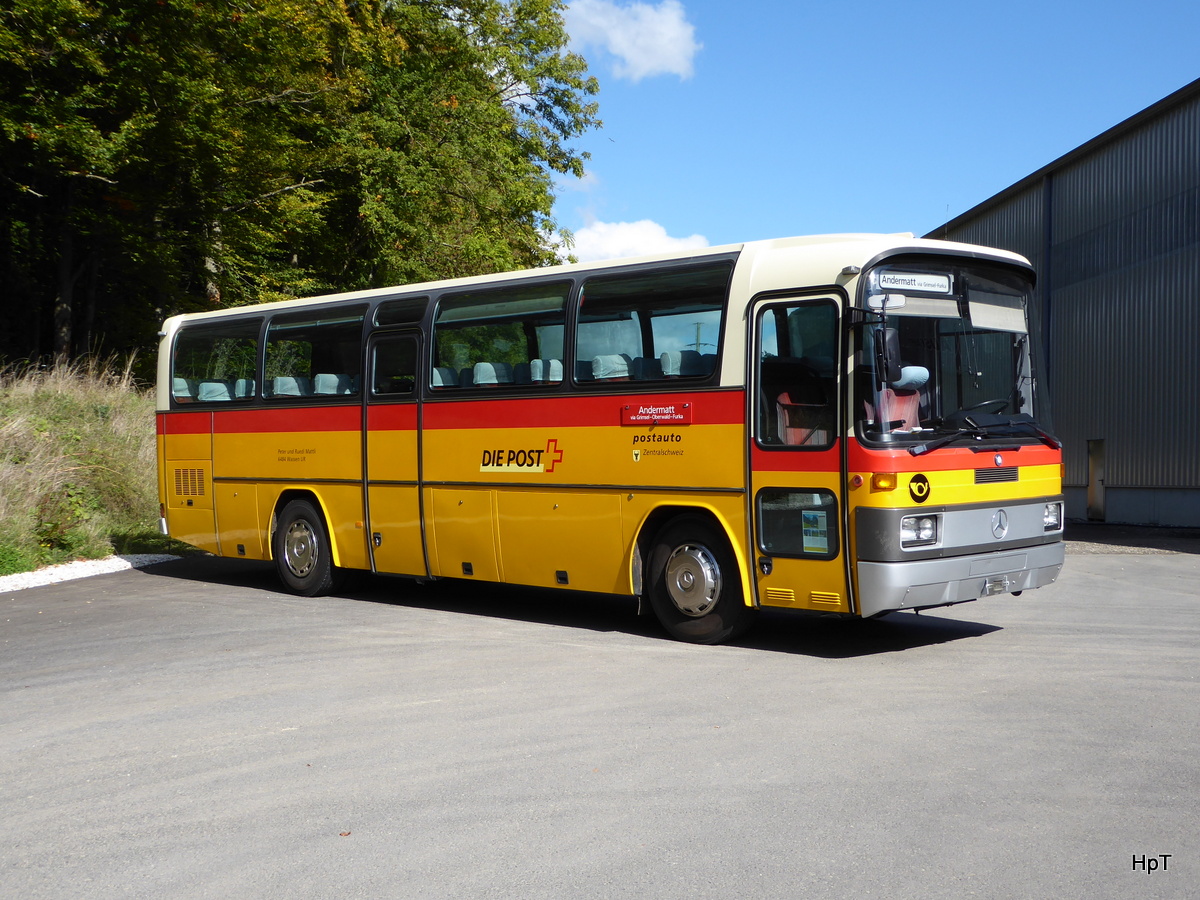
{"x": 728, "y": 121}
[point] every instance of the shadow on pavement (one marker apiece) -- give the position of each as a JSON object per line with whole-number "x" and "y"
{"x": 777, "y": 631}
{"x": 844, "y": 638}
{"x": 1098, "y": 537}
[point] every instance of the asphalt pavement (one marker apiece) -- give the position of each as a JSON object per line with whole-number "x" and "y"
{"x": 187, "y": 730}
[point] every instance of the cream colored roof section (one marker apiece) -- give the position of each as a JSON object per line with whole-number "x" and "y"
{"x": 813, "y": 263}
{"x": 819, "y": 260}
{"x": 499, "y": 278}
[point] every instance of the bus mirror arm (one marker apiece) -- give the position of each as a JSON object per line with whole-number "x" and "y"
{"x": 887, "y": 356}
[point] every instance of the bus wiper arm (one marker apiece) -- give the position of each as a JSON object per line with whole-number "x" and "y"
{"x": 998, "y": 428}
{"x": 922, "y": 449}
{"x": 1006, "y": 426}
{"x": 1044, "y": 436}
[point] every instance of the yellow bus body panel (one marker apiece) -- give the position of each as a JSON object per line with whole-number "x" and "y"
{"x": 188, "y": 446}
{"x": 462, "y": 535}
{"x": 238, "y": 521}
{"x": 396, "y": 518}
{"x": 956, "y": 487}
{"x": 308, "y": 456}
{"x": 393, "y": 455}
{"x": 705, "y": 456}
{"x": 817, "y": 584}
{"x": 567, "y": 502}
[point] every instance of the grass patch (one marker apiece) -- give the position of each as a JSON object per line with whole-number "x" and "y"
{"x": 77, "y": 465}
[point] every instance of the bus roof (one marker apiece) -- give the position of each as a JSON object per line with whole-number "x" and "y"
{"x": 809, "y": 260}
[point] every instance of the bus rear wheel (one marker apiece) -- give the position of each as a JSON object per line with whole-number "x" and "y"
{"x": 302, "y": 551}
{"x": 696, "y": 589}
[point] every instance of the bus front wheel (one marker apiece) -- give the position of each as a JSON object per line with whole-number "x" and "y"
{"x": 303, "y": 554}
{"x": 696, "y": 589}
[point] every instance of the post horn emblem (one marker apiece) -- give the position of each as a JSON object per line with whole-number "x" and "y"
{"x": 918, "y": 488}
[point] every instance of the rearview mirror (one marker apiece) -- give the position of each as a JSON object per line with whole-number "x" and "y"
{"x": 887, "y": 356}
{"x": 886, "y": 301}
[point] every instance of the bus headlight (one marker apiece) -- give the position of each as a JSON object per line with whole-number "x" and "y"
{"x": 917, "y": 531}
{"x": 1052, "y": 517}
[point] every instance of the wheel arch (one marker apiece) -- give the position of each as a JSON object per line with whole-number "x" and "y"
{"x": 286, "y": 496}
{"x": 658, "y": 519}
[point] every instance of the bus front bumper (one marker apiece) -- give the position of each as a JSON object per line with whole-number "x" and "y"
{"x": 884, "y": 586}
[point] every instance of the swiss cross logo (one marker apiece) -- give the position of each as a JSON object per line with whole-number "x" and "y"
{"x": 553, "y": 454}
{"x": 512, "y": 459}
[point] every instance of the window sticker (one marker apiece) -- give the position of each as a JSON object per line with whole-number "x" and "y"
{"x": 816, "y": 531}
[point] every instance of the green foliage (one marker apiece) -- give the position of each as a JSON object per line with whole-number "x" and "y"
{"x": 15, "y": 559}
{"x": 159, "y": 156}
{"x": 77, "y": 464}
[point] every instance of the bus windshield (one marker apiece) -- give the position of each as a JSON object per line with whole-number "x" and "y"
{"x": 944, "y": 353}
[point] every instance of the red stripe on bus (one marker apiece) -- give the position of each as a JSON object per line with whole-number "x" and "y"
{"x": 185, "y": 423}
{"x": 796, "y": 460}
{"x": 713, "y": 408}
{"x": 716, "y": 408}
{"x": 864, "y": 459}
{"x": 392, "y": 417}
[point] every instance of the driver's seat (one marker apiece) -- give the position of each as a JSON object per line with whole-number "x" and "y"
{"x": 900, "y": 402}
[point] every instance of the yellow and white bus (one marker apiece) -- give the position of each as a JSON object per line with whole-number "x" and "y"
{"x": 846, "y": 423}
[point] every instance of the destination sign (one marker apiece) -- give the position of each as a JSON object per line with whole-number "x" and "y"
{"x": 656, "y": 414}
{"x": 914, "y": 281}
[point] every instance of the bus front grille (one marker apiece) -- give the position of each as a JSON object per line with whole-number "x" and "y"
{"x": 996, "y": 476}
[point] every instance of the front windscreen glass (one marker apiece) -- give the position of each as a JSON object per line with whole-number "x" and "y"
{"x": 944, "y": 351}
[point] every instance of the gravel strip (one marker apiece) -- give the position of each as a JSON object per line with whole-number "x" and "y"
{"x": 80, "y": 569}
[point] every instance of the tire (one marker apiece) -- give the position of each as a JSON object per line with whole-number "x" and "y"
{"x": 696, "y": 588}
{"x": 302, "y": 551}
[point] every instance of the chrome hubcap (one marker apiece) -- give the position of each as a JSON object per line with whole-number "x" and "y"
{"x": 300, "y": 548}
{"x": 693, "y": 579}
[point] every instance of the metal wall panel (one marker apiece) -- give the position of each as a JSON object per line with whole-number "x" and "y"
{"x": 1123, "y": 283}
{"x": 1137, "y": 170}
{"x": 1124, "y": 346}
{"x": 1015, "y": 224}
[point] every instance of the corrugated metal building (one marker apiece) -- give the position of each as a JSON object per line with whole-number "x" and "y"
{"x": 1113, "y": 229}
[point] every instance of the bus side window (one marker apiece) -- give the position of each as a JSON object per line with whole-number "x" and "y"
{"x": 652, "y": 325}
{"x": 394, "y": 367}
{"x": 314, "y": 353}
{"x": 500, "y": 339}
{"x": 211, "y": 359}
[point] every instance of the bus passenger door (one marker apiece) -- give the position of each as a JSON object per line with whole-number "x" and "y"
{"x": 393, "y": 416}
{"x": 795, "y": 456}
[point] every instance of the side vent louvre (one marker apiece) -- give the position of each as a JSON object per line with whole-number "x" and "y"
{"x": 825, "y": 598}
{"x": 996, "y": 476}
{"x": 189, "y": 482}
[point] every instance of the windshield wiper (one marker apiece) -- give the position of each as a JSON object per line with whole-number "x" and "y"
{"x": 922, "y": 449}
{"x": 1044, "y": 436}
{"x": 990, "y": 425}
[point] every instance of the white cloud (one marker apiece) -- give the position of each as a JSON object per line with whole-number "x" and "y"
{"x": 615, "y": 240}
{"x": 645, "y": 39}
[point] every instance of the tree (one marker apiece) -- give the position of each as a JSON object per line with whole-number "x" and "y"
{"x": 168, "y": 155}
